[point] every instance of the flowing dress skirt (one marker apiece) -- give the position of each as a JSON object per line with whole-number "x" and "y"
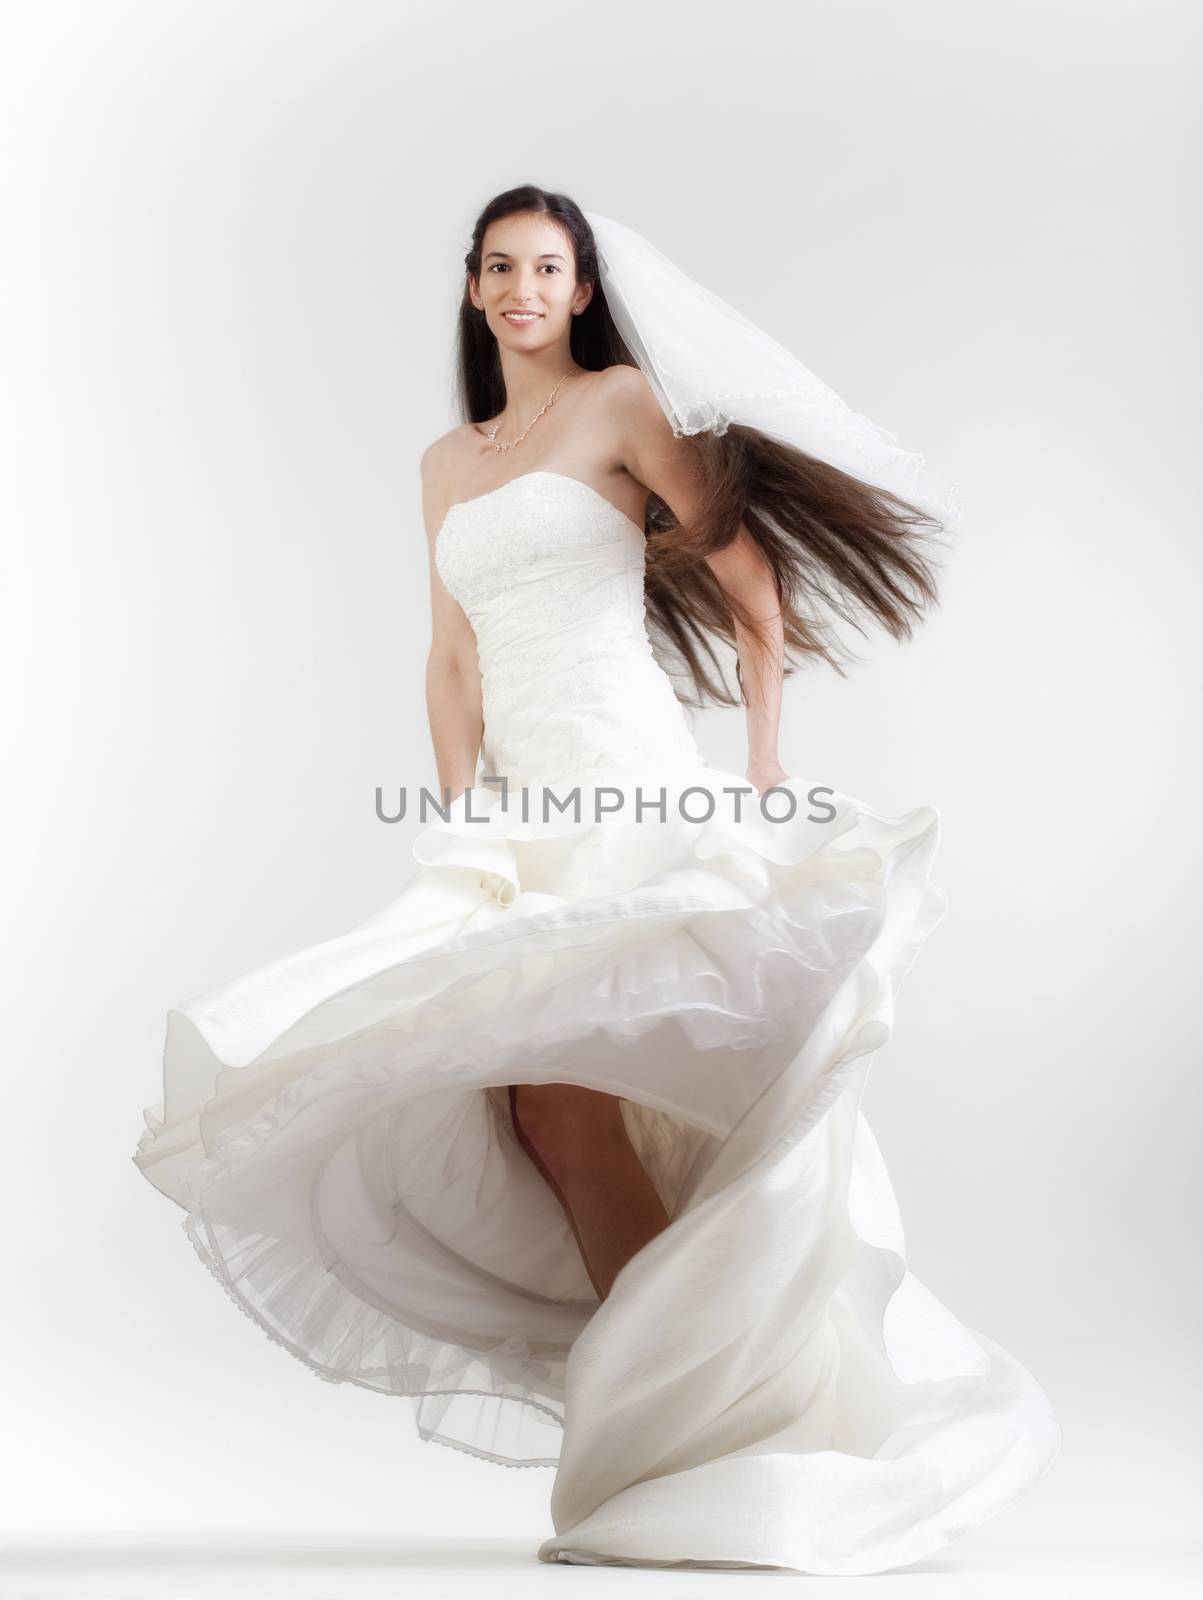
{"x": 766, "y": 1384}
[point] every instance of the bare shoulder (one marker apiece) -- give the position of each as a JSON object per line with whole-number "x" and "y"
{"x": 638, "y": 429}
{"x": 436, "y": 471}
{"x": 629, "y": 399}
{"x": 626, "y": 386}
{"x": 440, "y": 454}
{"x": 621, "y": 378}
{"x": 439, "y": 467}
{"x": 622, "y": 405}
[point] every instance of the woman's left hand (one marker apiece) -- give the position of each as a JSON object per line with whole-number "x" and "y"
{"x": 764, "y": 774}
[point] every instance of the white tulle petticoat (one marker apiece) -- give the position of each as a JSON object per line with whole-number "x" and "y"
{"x": 766, "y": 1384}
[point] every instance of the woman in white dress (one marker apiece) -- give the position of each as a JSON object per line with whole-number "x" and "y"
{"x": 565, "y": 1143}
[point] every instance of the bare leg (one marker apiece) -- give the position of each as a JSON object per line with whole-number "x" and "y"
{"x": 578, "y": 1141}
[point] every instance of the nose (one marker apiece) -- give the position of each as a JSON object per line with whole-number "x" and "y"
{"x": 523, "y": 275}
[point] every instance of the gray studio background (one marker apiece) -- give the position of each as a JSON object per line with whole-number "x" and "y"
{"x": 231, "y": 256}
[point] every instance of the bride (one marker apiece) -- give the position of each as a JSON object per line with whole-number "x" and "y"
{"x": 566, "y": 1143}
{"x": 607, "y": 431}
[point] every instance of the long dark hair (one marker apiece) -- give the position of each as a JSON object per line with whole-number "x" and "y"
{"x": 830, "y": 540}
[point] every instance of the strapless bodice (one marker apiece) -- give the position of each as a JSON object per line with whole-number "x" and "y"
{"x": 550, "y": 575}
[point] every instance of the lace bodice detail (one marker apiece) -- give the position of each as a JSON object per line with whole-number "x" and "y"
{"x": 550, "y": 575}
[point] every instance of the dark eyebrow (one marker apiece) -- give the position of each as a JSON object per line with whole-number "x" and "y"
{"x": 548, "y": 255}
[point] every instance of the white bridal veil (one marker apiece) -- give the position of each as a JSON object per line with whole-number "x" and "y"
{"x": 710, "y": 366}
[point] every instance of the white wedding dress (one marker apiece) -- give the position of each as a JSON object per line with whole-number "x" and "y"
{"x": 766, "y": 1384}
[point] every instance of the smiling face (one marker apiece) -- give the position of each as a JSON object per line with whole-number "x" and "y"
{"x": 528, "y": 289}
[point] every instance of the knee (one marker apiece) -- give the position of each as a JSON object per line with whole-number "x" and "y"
{"x": 563, "y": 1119}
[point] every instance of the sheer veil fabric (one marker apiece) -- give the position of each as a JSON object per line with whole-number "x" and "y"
{"x": 710, "y": 366}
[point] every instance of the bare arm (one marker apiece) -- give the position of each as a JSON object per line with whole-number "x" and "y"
{"x": 453, "y": 686}
{"x": 655, "y": 457}
{"x": 744, "y": 573}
